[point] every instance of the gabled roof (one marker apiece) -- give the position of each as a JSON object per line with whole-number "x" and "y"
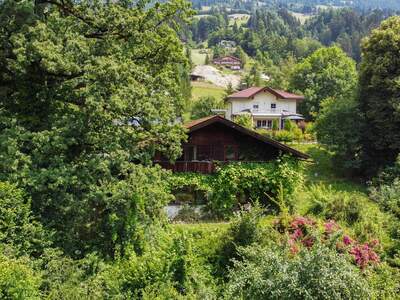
{"x": 203, "y": 122}
{"x": 251, "y": 92}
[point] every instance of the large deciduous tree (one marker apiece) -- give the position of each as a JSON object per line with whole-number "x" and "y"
{"x": 89, "y": 90}
{"x": 327, "y": 73}
{"x": 338, "y": 126}
{"x": 379, "y": 95}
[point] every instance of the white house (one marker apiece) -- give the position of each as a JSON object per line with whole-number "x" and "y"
{"x": 265, "y": 105}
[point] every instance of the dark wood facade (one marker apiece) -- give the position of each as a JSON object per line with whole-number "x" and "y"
{"x": 215, "y": 140}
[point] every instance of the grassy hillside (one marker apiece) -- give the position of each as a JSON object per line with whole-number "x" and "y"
{"x": 202, "y": 89}
{"x": 199, "y": 58}
{"x": 320, "y": 183}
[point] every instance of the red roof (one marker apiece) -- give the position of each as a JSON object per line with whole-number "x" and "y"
{"x": 203, "y": 122}
{"x": 251, "y": 92}
{"x": 198, "y": 121}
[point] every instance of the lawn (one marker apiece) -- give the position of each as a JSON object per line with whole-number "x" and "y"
{"x": 199, "y": 58}
{"x": 202, "y": 89}
{"x": 240, "y": 19}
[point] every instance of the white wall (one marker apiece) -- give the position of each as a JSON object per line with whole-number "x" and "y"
{"x": 264, "y": 101}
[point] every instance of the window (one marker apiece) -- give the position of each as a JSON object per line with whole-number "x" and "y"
{"x": 255, "y": 106}
{"x": 264, "y": 123}
{"x": 269, "y": 124}
{"x": 259, "y": 124}
{"x": 273, "y": 105}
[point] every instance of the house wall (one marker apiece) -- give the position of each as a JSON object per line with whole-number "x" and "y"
{"x": 213, "y": 140}
{"x": 264, "y": 101}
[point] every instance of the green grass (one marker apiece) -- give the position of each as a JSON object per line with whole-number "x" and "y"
{"x": 319, "y": 173}
{"x": 322, "y": 171}
{"x": 197, "y": 57}
{"x": 301, "y": 17}
{"x": 203, "y": 89}
{"x": 242, "y": 20}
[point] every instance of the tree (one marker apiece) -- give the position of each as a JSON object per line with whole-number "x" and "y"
{"x": 255, "y": 75}
{"x": 89, "y": 91}
{"x": 207, "y": 60}
{"x": 228, "y": 91}
{"x": 239, "y": 53}
{"x": 17, "y": 227}
{"x": 305, "y": 47}
{"x": 327, "y": 73}
{"x": 203, "y": 106}
{"x": 245, "y": 121}
{"x": 379, "y": 96}
{"x": 338, "y": 126}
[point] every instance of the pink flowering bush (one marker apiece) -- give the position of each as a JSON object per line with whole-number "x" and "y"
{"x": 305, "y": 232}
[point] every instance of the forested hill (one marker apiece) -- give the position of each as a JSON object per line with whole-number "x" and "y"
{"x": 277, "y": 33}
{"x": 361, "y": 4}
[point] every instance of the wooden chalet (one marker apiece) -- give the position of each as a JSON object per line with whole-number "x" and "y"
{"x": 228, "y": 61}
{"x": 215, "y": 140}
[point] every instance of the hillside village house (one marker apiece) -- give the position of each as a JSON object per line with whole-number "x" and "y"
{"x": 265, "y": 105}
{"x": 215, "y": 140}
{"x": 230, "y": 61}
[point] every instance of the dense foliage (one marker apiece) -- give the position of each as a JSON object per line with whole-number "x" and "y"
{"x": 317, "y": 274}
{"x": 88, "y": 90}
{"x": 236, "y": 184}
{"x": 379, "y": 96}
{"x": 327, "y": 73}
{"x": 338, "y": 126}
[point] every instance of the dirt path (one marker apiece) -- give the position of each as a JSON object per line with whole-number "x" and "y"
{"x": 216, "y": 77}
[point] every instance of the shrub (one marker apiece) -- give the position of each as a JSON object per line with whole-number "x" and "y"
{"x": 167, "y": 268}
{"x": 385, "y": 282}
{"x": 203, "y": 106}
{"x": 243, "y": 231}
{"x": 188, "y": 214}
{"x": 284, "y": 136}
{"x": 17, "y": 226}
{"x": 65, "y": 278}
{"x": 388, "y": 196}
{"x": 319, "y": 273}
{"x": 245, "y": 121}
{"x": 18, "y": 280}
{"x": 236, "y": 184}
{"x": 333, "y": 205}
{"x": 239, "y": 183}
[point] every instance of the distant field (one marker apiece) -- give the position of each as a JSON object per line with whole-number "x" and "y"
{"x": 323, "y": 7}
{"x": 197, "y": 57}
{"x": 202, "y": 89}
{"x": 200, "y": 16}
{"x": 205, "y": 8}
{"x": 240, "y": 19}
{"x": 301, "y": 17}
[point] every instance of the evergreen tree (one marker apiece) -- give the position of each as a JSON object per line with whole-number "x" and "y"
{"x": 207, "y": 60}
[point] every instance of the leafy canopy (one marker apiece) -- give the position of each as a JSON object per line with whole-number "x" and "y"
{"x": 89, "y": 89}
{"x": 327, "y": 73}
